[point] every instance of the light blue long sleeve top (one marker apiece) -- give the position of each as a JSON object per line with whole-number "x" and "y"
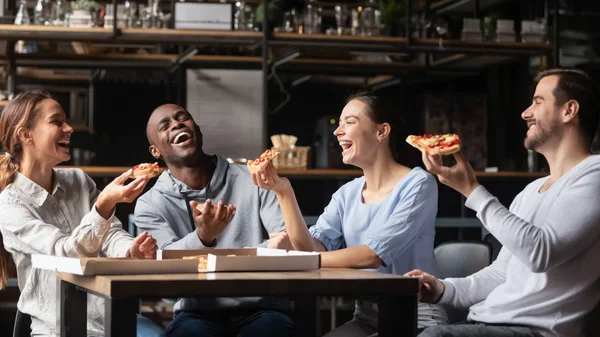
{"x": 400, "y": 230}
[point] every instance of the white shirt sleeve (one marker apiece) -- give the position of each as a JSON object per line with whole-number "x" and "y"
{"x": 464, "y": 292}
{"x": 570, "y": 227}
{"x": 24, "y": 231}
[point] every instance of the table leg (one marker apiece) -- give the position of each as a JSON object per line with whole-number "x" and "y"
{"x": 72, "y": 310}
{"x": 397, "y": 316}
{"x": 306, "y": 316}
{"x": 120, "y": 317}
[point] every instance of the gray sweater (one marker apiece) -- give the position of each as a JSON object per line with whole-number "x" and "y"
{"x": 546, "y": 275}
{"x": 163, "y": 212}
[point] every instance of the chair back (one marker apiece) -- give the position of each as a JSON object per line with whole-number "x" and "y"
{"x": 461, "y": 259}
{"x": 22, "y": 327}
{"x": 592, "y": 322}
{"x": 496, "y": 245}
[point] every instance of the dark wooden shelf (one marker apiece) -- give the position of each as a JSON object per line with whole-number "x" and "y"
{"x": 358, "y": 43}
{"x": 400, "y": 44}
{"x": 185, "y": 36}
{"x": 113, "y": 171}
{"x": 480, "y": 47}
{"x": 164, "y": 61}
{"x": 364, "y": 43}
{"x": 128, "y": 35}
{"x": 51, "y": 33}
{"x": 456, "y": 64}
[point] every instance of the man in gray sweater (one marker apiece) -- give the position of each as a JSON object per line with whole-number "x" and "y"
{"x": 546, "y": 279}
{"x": 168, "y": 212}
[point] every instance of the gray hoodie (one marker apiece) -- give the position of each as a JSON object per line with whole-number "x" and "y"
{"x": 163, "y": 212}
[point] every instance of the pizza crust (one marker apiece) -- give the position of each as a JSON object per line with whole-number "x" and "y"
{"x": 146, "y": 169}
{"x": 213, "y": 208}
{"x": 410, "y": 140}
{"x": 202, "y": 261}
{"x": 260, "y": 163}
{"x": 445, "y": 151}
{"x": 255, "y": 168}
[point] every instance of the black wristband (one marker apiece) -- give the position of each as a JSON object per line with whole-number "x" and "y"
{"x": 212, "y": 244}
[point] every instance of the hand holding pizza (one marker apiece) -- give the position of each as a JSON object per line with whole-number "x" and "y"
{"x": 143, "y": 247}
{"x": 268, "y": 179}
{"x": 211, "y": 219}
{"x": 117, "y": 192}
{"x": 460, "y": 177}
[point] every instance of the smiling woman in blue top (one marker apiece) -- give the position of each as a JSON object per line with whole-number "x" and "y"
{"x": 385, "y": 219}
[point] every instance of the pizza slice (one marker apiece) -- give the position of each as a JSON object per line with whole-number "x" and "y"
{"x": 261, "y": 162}
{"x": 213, "y": 208}
{"x": 202, "y": 261}
{"x": 435, "y": 144}
{"x": 146, "y": 169}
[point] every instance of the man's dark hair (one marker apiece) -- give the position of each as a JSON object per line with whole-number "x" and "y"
{"x": 575, "y": 84}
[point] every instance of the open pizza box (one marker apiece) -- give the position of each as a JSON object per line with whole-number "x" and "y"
{"x": 247, "y": 259}
{"x": 172, "y": 262}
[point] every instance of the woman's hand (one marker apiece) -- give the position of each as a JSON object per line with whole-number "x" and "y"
{"x": 268, "y": 179}
{"x": 117, "y": 192}
{"x": 143, "y": 247}
{"x": 279, "y": 241}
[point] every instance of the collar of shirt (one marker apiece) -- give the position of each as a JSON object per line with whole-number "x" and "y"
{"x": 34, "y": 191}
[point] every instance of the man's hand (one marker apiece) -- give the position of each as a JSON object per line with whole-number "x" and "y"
{"x": 210, "y": 225}
{"x": 460, "y": 177}
{"x": 430, "y": 288}
{"x": 143, "y": 247}
{"x": 279, "y": 241}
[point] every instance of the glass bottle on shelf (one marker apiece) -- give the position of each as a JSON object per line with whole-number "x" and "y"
{"x": 341, "y": 18}
{"x": 312, "y": 17}
{"x": 22, "y": 17}
{"x": 42, "y": 12}
{"x": 289, "y": 21}
{"x": 58, "y": 13}
{"x": 370, "y": 18}
{"x": 355, "y": 23}
{"x": 156, "y": 14}
{"x": 243, "y": 16}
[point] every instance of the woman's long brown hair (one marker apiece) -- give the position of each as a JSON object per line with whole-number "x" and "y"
{"x": 19, "y": 113}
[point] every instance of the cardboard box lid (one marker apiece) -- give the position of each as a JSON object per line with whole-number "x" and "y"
{"x": 112, "y": 266}
{"x": 250, "y": 259}
{"x": 171, "y": 262}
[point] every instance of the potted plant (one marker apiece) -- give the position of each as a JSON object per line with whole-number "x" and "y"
{"x": 274, "y": 14}
{"x": 393, "y": 17}
{"x": 83, "y": 7}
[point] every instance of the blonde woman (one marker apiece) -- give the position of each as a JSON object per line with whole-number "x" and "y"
{"x": 58, "y": 212}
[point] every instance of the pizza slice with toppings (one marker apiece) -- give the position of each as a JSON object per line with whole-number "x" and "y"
{"x": 146, "y": 169}
{"x": 261, "y": 162}
{"x": 435, "y": 144}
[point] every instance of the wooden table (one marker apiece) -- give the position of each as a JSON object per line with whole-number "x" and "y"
{"x": 396, "y": 296}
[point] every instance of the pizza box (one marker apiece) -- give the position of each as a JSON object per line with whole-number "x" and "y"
{"x": 249, "y": 259}
{"x": 172, "y": 262}
{"x": 112, "y": 266}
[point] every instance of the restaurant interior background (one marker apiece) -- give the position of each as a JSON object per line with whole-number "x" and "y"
{"x": 461, "y": 66}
